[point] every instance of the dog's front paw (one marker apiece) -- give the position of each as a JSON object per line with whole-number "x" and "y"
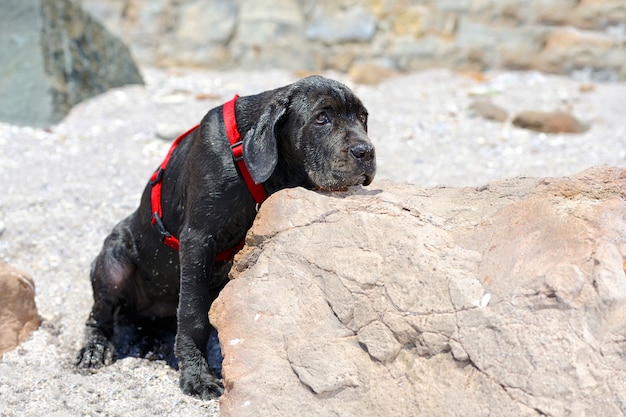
{"x": 97, "y": 352}
{"x": 199, "y": 382}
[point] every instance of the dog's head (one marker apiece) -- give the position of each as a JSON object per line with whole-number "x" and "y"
{"x": 315, "y": 128}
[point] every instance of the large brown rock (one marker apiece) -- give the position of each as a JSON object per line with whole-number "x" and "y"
{"x": 18, "y": 312}
{"x": 508, "y": 299}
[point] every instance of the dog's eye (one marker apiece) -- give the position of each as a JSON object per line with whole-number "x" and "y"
{"x": 363, "y": 118}
{"x": 322, "y": 119}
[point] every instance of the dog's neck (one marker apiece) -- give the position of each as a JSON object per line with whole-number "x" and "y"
{"x": 289, "y": 171}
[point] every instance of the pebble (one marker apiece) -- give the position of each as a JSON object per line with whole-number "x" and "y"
{"x": 168, "y": 132}
{"x": 550, "y": 122}
{"x": 489, "y": 111}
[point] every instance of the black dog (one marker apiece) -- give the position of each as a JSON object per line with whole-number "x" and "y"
{"x": 171, "y": 257}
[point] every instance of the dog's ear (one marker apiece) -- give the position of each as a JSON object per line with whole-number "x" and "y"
{"x": 260, "y": 148}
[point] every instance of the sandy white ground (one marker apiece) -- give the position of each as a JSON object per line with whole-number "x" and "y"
{"x": 62, "y": 189}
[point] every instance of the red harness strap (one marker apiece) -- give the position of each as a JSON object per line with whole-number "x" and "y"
{"x": 156, "y": 180}
{"x": 236, "y": 145}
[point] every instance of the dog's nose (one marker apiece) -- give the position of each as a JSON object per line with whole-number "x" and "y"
{"x": 363, "y": 151}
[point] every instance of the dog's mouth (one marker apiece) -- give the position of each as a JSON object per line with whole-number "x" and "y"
{"x": 363, "y": 179}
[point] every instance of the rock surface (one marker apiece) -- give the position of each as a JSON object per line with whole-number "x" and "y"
{"x": 18, "y": 312}
{"x": 52, "y": 56}
{"x": 507, "y": 299}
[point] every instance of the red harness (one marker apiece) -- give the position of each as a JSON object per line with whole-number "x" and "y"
{"x": 236, "y": 145}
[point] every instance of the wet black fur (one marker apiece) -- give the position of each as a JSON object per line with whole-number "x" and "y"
{"x": 312, "y": 134}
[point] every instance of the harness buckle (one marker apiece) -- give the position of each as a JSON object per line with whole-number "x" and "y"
{"x": 160, "y": 226}
{"x": 237, "y": 151}
{"x": 157, "y": 176}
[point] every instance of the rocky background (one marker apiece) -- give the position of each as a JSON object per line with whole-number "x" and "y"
{"x": 582, "y": 37}
{"x": 506, "y": 329}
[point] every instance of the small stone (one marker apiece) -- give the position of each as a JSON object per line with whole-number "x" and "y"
{"x": 549, "y": 122}
{"x": 167, "y": 132}
{"x": 487, "y": 110}
{"x": 586, "y": 87}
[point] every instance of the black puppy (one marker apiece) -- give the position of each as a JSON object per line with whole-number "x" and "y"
{"x": 171, "y": 257}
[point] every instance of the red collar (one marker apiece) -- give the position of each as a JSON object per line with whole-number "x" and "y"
{"x": 236, "y": 145}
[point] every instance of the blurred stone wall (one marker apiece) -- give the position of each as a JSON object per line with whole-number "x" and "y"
{"x": 586, "y": 37}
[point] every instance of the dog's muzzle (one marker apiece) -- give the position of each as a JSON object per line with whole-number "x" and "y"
{"x": 365, "y": 157}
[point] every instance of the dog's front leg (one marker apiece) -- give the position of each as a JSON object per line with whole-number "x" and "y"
{"x": 197, "y": 292}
